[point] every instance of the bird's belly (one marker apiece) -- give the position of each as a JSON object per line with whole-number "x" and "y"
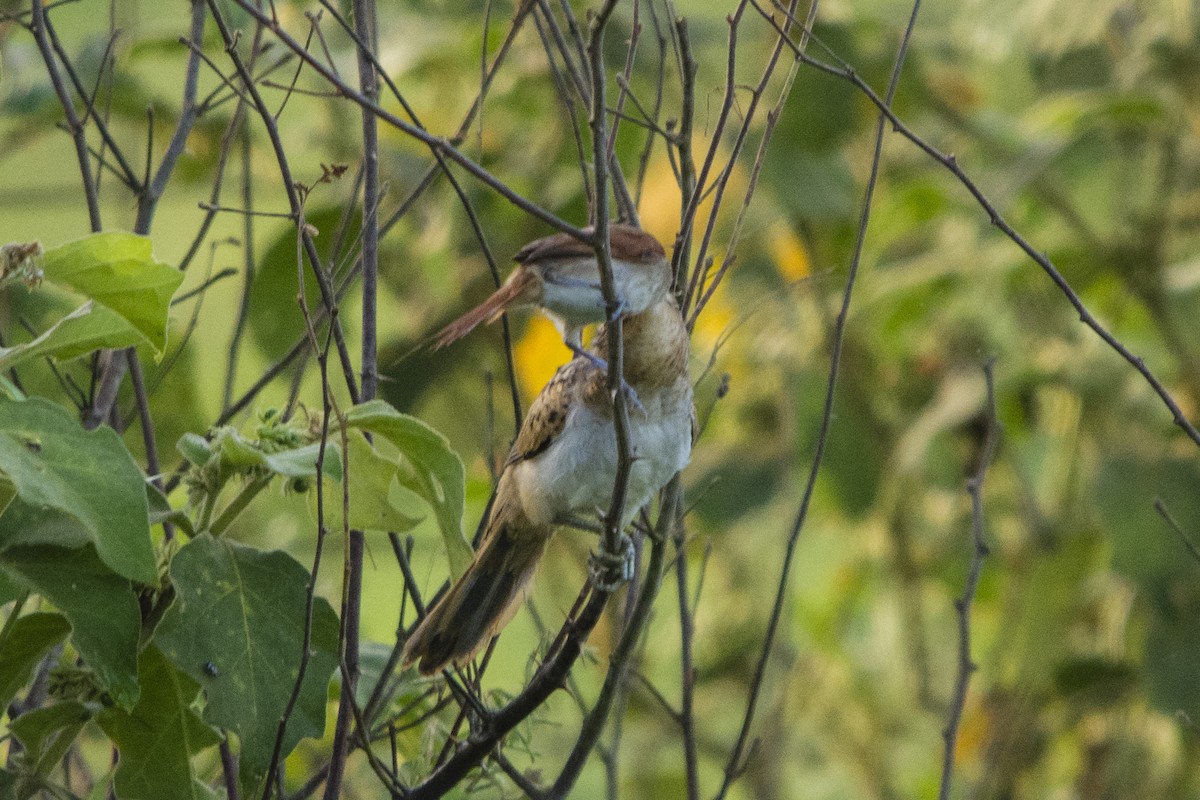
{"x": 575, "y": 304}
{"x": 575, "y": 475}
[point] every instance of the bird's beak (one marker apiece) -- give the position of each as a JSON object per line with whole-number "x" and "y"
{"x": 523, "y": 287}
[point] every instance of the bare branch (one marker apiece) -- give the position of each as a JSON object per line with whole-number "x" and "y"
{"x": 962, "y": 605}
{"x": 734, "y": 766}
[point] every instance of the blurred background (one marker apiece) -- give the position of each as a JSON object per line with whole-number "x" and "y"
{"x": 1079, "y": 121}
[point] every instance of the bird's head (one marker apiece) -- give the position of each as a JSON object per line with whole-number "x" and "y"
{"x": 561, "y": 275}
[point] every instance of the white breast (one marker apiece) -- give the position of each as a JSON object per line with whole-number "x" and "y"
{"x": 575, "y": 475}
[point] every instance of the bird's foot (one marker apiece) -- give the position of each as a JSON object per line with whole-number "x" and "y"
{"x": 579, "y": 523}
{"x": 602, "y": 365}
{"x": 618, "y": 311}
{"x": 607, "y": 571}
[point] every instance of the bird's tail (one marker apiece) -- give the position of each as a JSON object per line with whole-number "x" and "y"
{"x": 480, "y": 603}
{"x": 521, "y": 287}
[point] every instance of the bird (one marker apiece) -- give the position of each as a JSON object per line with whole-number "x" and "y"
{"x": 563, "y": 464}
{"x": 559, "y": 274}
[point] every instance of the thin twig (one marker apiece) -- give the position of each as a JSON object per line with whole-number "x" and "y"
{"x": 962, "y": 605}
{"x": 74, "y": 126}
{"x": 735, "y": 766}
{"x": 1161, "y": 508}
{"x": 290, "y": 187}
{"x": 687, "y": 669}
{"x": 847, "y": 73}
{"x": 318, "y": 551}
{"x": 229, "y": 770}
{"x": 364, "y": 24}
{"x": 125, "y": 174}
{"x": 669, "y": 519}
{"x": 442, "y": 145}
{"x": 154, "y": 188}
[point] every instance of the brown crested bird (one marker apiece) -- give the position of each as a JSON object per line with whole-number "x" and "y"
{"x": 564, "y": 461}
{"x": 559, "y": 274}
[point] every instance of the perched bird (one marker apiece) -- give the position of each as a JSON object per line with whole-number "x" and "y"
{"x": 559, "y": 274}
{"x": 564, "y": 462}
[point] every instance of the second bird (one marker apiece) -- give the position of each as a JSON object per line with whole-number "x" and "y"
{"x": 564, "y": 462}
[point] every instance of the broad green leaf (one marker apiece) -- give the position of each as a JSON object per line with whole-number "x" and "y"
{"x": 85, "y": 329}
{"x": 118, "y": 271}
{"x": 377, "y": 500}
{"x": 438, "y": 471}
{"x": 275, "y": 316}
{"x": 30, "y": 637}
{"x": 9, "y": 589}
{"x": 46, "y": 733}
{"x": 100, "y": 605}
{"x": 301, "y": 462}
{"x": 158, "y": 737}
{"x": 237, "y": 628}
{"x": 68, "y": 475}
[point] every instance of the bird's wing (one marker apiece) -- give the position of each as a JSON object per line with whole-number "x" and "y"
{"x": 628, "y": 239}
{"x": 560, "y": 245}
{"x": 548, "y": 415}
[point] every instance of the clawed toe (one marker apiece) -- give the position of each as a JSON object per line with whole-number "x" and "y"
{"x": 632, "y": 397}
{"x": 608, "y": 571}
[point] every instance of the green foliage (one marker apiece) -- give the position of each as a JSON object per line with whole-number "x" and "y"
{"x": 129, "y": 297}
{"x": 158, "y": 737}
{"x": 435, "y": 472}
{"x": 46, "y": 733}
{"x": 22, "y": 647}
{"x": 83, "y": 330}
{"x": 73, "y": 486}
{"x": 102, "y": 610}
{"x": 236, "y": 629}
{"x": 118, "y": 271}
{"x": 377, "y": 501}
{"x": 1079, "y": 126}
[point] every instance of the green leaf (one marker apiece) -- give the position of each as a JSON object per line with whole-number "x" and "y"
{"x": 1170, "y": 659}
{"x": 9, "y": 589}
{"x": 237, "y": 628}
{"x": 30, "y": 637}
{"x": 439, "y": 473}
{"x": 66, "y": 475}
{"x": 158, "y": 737}
{"x": 275, "y": 316}
{"x": 46, "y": 734}
{"x": 301, "y": 462}
{"x": 118, "y": 271}
{"x": 194, "y": 448}
{"x": 377, "y": 500}
{"x": 100, "y": 605}
{"x": 85, "y": 329}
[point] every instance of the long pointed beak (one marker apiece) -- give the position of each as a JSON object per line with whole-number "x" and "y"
{"x": 522, "y": 287}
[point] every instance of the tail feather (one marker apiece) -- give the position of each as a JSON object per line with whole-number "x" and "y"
{"x": 521, "y": 287}
{"x": 479, "y": 604}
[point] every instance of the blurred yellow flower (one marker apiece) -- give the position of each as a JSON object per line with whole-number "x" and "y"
{"x": 788, "y": 253}
{"x": 538, "y": 355}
